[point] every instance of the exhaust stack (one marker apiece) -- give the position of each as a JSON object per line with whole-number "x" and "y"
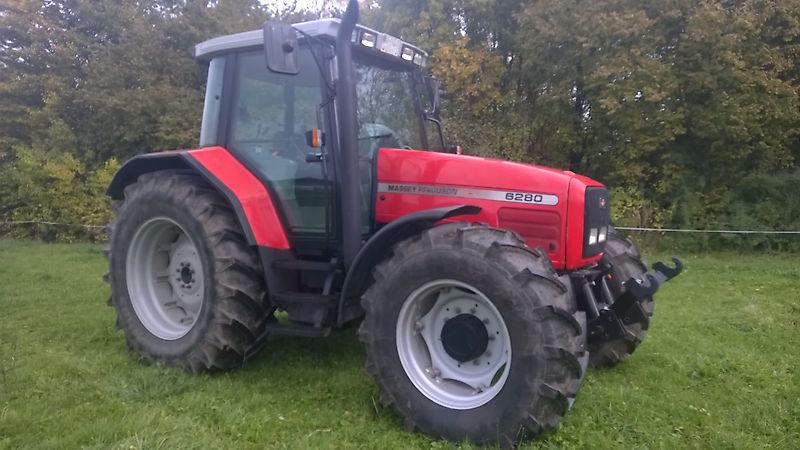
{"x": 348, "y": 137}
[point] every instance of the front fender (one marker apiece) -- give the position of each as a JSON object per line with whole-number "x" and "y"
{"x": 376, "y": 248}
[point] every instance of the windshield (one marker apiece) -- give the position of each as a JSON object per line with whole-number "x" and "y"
{"x": 389, "y": 114}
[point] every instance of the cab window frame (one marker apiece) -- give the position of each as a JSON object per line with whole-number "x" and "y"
{"x": 306, "y": 242}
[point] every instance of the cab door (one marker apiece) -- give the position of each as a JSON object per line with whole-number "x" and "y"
{"x": 268, "y": 117}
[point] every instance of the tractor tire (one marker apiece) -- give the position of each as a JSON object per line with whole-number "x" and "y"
{"x": 509, "y": 310}
{"x": 626, "y": 263}
{"x": 187, "y": 288}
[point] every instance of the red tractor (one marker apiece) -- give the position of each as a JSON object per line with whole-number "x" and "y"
{"x": 485, "y": 287}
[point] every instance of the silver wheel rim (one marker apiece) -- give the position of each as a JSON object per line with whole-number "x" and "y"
{"x": 165, "y": 279}
{"x": 437, "y": 375}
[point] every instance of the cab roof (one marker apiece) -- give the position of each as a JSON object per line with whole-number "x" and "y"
{"x": 325, "y": 29}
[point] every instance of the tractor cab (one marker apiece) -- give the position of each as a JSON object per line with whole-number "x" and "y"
{"x": 273, "y": 106}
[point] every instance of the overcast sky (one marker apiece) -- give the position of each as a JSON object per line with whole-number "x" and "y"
{"x": 313, "y": 5}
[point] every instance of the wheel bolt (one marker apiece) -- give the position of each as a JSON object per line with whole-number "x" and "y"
{"x": 418, "y": 325}
{"x": 485, "y": 321}
{"x": 473, "y": 311}
{"x": 476, "y": 362}
{"x": 458, "y": 310}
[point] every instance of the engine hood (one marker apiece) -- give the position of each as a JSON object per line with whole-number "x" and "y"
{"x": 421, "y": 167}
{"x": 544, "y": 206}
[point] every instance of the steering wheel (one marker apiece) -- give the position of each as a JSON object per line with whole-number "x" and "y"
{"x": 374, "y": 136}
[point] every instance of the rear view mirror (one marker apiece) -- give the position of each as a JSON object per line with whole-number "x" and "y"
{"x": 280, "y": 47}
{"x": 434, "y": 86}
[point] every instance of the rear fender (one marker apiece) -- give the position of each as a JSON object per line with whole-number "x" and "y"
{"x": 380, "y": 244}
{"x": 246, "y": 194}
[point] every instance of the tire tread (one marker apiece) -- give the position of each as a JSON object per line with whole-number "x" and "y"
{"x": 241, "y": 310}
{"x": 529, "y": 269}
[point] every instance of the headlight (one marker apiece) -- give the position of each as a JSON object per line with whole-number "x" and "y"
{"x": 603, "y": 233}
{"x": 593, "y": 236}
{"x": 595, "y": 221}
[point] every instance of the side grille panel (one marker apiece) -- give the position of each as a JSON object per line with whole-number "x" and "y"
{"x": 537, "y": 228}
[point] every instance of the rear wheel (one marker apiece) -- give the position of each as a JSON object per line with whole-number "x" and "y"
{"x": 187, "y": 288}
{"x": 626, "y": 263}
{"x": 471, "y": 335}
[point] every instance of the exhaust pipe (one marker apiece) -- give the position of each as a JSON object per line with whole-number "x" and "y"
{"x": 350, "y": 186}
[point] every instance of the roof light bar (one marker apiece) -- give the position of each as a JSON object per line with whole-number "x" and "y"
{"x": 391, "y": 45}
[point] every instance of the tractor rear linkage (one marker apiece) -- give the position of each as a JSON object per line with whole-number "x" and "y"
{"x": 609, "y": 322}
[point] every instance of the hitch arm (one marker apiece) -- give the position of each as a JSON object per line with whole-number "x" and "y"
{"x": 638, "y": 290}
{"x": 627, "y": 309}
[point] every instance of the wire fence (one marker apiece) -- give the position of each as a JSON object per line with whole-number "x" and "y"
{"x": 657, "y": 230}
{"x": 41, "y": 222}
{"x": 686, "y": 230}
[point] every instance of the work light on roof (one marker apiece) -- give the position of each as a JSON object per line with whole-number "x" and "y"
{"x": 419, "y": 59}
{"x": 368, "y": 39}
{"x": 407, "y": 54}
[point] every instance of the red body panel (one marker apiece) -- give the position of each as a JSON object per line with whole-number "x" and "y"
{"x": 405, "y": 178}
{"x": 253, "y": 196}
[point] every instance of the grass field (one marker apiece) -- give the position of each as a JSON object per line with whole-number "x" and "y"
{"x": 719, "y": 370}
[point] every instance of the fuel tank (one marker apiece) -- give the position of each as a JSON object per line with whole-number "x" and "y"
{"x": 545, "y": 206}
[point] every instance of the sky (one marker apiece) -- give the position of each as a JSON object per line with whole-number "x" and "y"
{"x": 313, "y": 5}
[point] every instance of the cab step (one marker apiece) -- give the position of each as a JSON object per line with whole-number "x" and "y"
{"x": 292, "y": 329}
{"x": 308, "y": 298}
{"x": 285, "y": 329}
{"x": 305, "y": 265}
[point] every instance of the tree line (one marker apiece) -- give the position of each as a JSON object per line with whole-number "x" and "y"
{"x": 688, "y": 110}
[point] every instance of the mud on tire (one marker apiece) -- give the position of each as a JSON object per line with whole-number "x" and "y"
{"x": 234, "y": 308}
{"x": 547, "y": 333}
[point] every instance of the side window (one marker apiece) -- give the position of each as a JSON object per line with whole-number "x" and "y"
{"x": 270, "y": 114}
{"x": 213, "y": 100}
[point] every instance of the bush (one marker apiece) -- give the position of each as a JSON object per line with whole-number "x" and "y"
{"x": 53, "y": 186}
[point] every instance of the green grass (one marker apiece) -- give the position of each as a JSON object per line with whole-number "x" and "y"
{"x": 719, "y": 370}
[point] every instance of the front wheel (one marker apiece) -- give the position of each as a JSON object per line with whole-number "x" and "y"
{"x": 471, "y": 335}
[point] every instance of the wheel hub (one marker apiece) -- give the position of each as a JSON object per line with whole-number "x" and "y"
{"x": 164, "y": 274}
{"x": 453, "y": 344}
{"x": 464, "y": 337}
{"x": 187, "y": 283}
{"x": 187, "y": 274}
